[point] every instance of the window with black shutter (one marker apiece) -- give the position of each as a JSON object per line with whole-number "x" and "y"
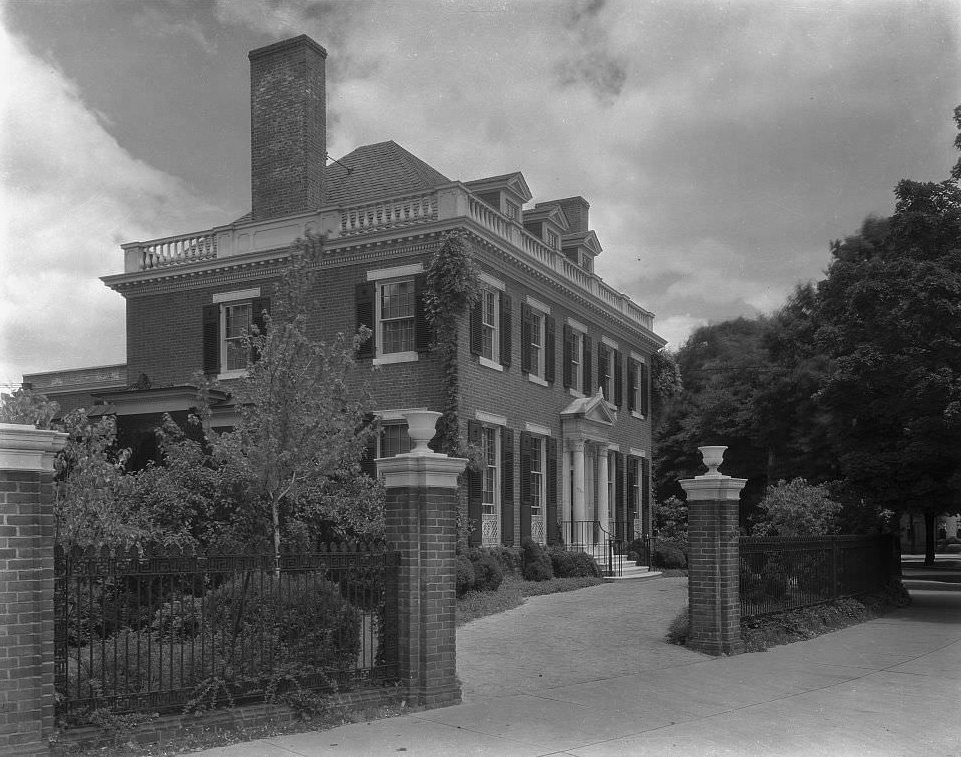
{"x": 587, "y": 387}
{"x": 550, "y": 349}
{"x": 506, "y": 331}
{"x": 551, "y": 487}
{"x": 618, "y": 379}
{"x": 507, "y": 487}
{"x": 365, "y": 305}
{"x": 475, "y": 487}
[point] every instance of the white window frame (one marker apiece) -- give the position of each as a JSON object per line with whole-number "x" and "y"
{"x": 577, "y": 359}
{"x": 381, "y": 278}
{"x": 637, "y": 389}
{"x": 540, "y": 311}
{"x": 491, "y": 295}
{"x": 540, "y": 495}
{"x": 496, "y": 505}
{"x": 228, "y": 300}
{"x": 552, "y": 238}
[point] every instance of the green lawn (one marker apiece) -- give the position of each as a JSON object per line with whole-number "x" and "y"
{"x": 512, "y": 593}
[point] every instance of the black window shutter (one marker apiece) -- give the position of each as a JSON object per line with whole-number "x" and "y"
{"x": 525, "y": 337}
{"x": 618, "y": 379}
{"x": 367, "y": 464}
{"x": 552, "y": 530}
{"x": 365, "y": 295}
{"x": 645, "y": 380}
{"x": 549, "y": 349}
{"x": 211, "y": 335}
{"x": 507, "y": 325}
{"x": 475, "y": 490}
{"x": 507, "y": 486}
{"x": 525, "y": 485}
{"x": 476, "y": 328}
{"x": 644, "y": 515}
{"x": 423, "y": 335}
{"x": 631, "y": 487}
{"x": 631, "y": 383}
{"x": 588, "y": 386}
{"x": 568, "y": 355}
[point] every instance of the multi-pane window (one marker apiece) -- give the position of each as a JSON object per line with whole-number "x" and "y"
{"x": 537, "y": 476}
{"x": 394, "y": 440}
{"x": 576, "y": 350}
{"x": 237, "y": 320}
{"x": 397, "y": 316}
{"x": 537, "y": 343}
{"x": 489, "y": 321}
{"x": 605, "y": 372}
{"x": 512, "y": 210}
{"x": 552, "y": 240}
{"x": 634, "y": 486}
{"x": 491, "y": 471}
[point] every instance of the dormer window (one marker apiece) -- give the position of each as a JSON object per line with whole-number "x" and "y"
{"x": 553, "y": 241}
{"x": 587, "y": 262}
{"x": 512, "y": 210}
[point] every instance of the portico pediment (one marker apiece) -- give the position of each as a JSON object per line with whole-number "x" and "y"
{"x": 594, "y": 409}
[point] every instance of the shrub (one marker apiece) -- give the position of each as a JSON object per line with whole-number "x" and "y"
{"x": 308, "y": 622}
{"x": 562, "y": 562}
{"x": 465, "y": 575}
{"x": 537, "y": 563}
{"x": 510, "y": 559}
{"x": 487, "y": 573}
{"x": 669, "y": 556}
{"x": 585, "y": 566}
{"x": 680, "y": 628}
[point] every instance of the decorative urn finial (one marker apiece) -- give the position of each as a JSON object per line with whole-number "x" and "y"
{"x": 713, "y": 457}
{"x": 421, "y": 425}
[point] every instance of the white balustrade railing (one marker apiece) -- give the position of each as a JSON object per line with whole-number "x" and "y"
{"x": 395, "y": 213}
{"x": 390, "y": 214}
{"x": 178, "y": 250}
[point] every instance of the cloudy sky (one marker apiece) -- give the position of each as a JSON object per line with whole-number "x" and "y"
{"x": 722, "y": 145}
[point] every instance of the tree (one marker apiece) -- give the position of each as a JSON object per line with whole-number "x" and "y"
{"x": 889, "y": 317}
{"x": 25, "y": 406}
{"x": 302, "y": 407}
{"x": 797, "y": 509}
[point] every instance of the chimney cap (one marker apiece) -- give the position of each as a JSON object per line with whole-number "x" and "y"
{"x": 302, "y": 41}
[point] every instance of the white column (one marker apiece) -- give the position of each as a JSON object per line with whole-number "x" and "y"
{"x": 603, "y": 504}
{"x": 566, "y": 514}
{"x": 578, "y": 500}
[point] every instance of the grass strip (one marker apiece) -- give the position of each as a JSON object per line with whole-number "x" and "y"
{"x": 512, "y": 593}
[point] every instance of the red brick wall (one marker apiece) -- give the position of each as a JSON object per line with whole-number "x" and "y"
{"x": 26, "y": 612}
{"x": 288, "y": 125}
{"x": 421, "y": 524}
{"x": 713, "y": 580}
{"x": 510, "y": 393}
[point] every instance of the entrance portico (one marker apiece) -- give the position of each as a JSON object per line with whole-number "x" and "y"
{"x": 586, "y": 427}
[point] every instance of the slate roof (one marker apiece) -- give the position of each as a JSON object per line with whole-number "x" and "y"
{"x": 384, "y": 169}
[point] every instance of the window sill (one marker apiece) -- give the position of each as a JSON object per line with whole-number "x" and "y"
{"x": 536, "y": 380}
{"x": 490, "y": 364}
{"x": 575, "y": 393}
{"x": 635, "y": 414}
{"x": 239, "y": 373}
{"x": 396, "y": 357}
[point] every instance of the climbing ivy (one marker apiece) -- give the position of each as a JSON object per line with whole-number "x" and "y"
{"x": 453, "y": 288}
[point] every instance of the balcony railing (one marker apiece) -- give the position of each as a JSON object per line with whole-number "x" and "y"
{"x": 446, "y": 203}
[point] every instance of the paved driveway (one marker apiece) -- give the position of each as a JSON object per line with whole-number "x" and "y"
{"x": 586, "y": 673}
{"x": 575, "y": 637}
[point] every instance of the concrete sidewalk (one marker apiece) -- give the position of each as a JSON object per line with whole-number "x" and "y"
{"x": 587, "y": 673}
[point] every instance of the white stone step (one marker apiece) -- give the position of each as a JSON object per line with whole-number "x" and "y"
{"x": 635, "y": 572}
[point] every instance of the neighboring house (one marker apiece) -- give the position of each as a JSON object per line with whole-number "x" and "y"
{"x": 554, "y": 364}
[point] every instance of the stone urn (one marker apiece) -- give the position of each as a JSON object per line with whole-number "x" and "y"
{"x": 421, "y": 426}
{"x": 713, "y": 457}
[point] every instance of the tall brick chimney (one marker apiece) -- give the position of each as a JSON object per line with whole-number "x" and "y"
{"x": 288, "y": 127}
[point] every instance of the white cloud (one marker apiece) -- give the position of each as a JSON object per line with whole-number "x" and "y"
{"x": 70, "y": 195}
{"x": 677, "y": 328}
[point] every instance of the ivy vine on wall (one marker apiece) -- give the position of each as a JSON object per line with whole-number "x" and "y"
{"x": 453, "y": 288}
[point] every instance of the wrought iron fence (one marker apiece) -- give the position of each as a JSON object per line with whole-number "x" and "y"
{"x": 164, "y": 631}
{"x": 782, "y": 573}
